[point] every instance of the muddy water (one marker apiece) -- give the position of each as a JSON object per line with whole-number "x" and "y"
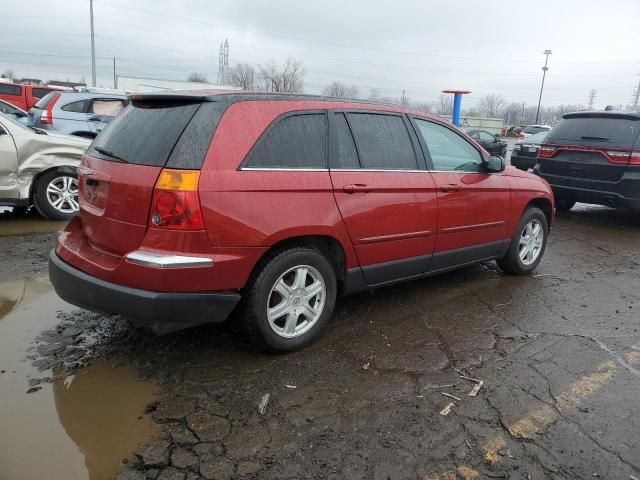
{"x": 75, "y": 428}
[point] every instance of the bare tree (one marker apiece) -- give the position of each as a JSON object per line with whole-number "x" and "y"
{"x": 282, "y": 78}
{"x": 197, "y": 77}
{"x": 424, "y": 106}
{"x": 374, "y": 94}
{"x": 9, "y": 74}
{"x": 243, "y": 75}
{"x": 339, "y": 89}
{"x": 492, "y": 105}
{"x": 444, "y": 105}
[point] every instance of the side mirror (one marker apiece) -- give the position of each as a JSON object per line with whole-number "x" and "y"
{"x": 495, "y": 164}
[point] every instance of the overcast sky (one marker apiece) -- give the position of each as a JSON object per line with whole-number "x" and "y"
{"x": 418, "y": 45}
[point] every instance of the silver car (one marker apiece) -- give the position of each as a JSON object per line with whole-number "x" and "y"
{"x": 39, "y": 168}
{"x": 84, "y": 114}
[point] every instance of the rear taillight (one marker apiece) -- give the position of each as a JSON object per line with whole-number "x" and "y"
{"x": 546, "y": 151}
{"x": 176, "y": 204}
{"x": 46, "y": 118}
{"x": 634, "y": 159}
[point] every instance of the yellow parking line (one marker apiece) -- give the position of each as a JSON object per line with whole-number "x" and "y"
{"x": 540, "y": 418}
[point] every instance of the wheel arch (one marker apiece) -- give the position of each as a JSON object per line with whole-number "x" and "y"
{"x": 37, "y": 176}
{"x": 543, "y": 204}
{"x": 330, "y": 247}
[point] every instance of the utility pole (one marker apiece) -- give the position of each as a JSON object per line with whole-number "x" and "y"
{"x": 115, "y": 77}
{"x": 592, "y": 97}
{"x": 544, "y": 74}
{"x": 636, "y": 97}
{"x": 93, "y": 47}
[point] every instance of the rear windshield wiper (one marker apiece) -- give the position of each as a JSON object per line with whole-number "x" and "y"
{"x": 596, "y": 139}
{"x": 109, "y": 153}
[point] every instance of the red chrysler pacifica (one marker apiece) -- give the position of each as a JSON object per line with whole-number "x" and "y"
{"x": 197, "y": 205}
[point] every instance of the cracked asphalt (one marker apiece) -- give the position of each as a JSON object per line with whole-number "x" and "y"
{"x": 558, "y": 353}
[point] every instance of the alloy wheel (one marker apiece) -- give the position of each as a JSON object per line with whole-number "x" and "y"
{"x": 62, "y": 194}
{"x": 531, "y": 241}
{"x": 296, "y": 301}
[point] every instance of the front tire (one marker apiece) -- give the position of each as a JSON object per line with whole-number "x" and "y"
{"x": 288, "y": 300}
{"x": 527, "y": 244}
{"x": 56, "y": 195}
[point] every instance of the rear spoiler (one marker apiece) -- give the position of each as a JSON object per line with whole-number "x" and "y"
{"x": 601, "y": 114}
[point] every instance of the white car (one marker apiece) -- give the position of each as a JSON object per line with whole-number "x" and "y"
{"x": 14, "y": 112}
{"x": 532, "y": 130}
{"x": 39, "y": 168}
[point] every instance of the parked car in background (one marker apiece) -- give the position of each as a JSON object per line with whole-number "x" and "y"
{"x": 529, "y": 130}
{"x": 14, "y": 112}
{"x": 274, "y": 206}
{"x": 39, "y": 168}
{"x": 489, "y": 141}
{"x": 593, "y": 157}
{"x": 525, "y": 152}
{"x": 74, "y": 113}
{"x": 24, "y": 96}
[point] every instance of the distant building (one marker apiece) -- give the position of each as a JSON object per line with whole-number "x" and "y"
{"x": 141, "y": 84}
{"x": 28, "y": 81}
{"x": 59, "y": 83}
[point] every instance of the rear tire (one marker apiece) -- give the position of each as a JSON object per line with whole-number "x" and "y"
{"x": 527, "y": 244}
{"x": 56, "y": 195}
{"x": 564, "y": 205}
{"x": 289, "y": 298}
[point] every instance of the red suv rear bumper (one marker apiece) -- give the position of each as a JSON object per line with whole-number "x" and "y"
{"x": 163, "y": 299}
{"x": 163, "y": 312}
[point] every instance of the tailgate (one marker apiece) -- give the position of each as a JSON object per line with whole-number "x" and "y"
{"x": 114, "y": 203}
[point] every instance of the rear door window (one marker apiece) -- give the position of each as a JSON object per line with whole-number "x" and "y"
{"x": 595, "y": 131}
{"x": 296, "y": 141}
{"x": 79, "y": 106}
{"x": 9, "y": 89}
{"x": 383, "y": 141}
{"x": 144, "y": 134}
{"x": 449, "y": 151}
{"x": 346, "y": 155}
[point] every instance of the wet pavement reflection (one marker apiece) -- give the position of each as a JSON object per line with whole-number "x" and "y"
{"x": 75, "y": 428}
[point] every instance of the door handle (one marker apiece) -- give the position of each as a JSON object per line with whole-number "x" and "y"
{"x": 450, "y": 187}
{"x": 355, "y": 187}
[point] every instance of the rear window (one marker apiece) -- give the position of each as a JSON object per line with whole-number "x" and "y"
{"x": 596, "y": 131}
{"x": 9, "y": 89}
{"x": 44, "y": 101}
{"x": 144, "y": 134}
{"x": 40, "y": 92}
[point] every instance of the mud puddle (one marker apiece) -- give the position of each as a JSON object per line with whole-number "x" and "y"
{"x": 73, "y": 427}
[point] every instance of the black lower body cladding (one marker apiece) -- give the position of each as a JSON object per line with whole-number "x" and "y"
{"x": 162, "y": 312}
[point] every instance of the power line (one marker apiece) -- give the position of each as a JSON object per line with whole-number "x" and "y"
{"x": 336, "y": 44}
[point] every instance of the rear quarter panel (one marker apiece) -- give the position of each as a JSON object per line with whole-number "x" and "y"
{"x": 249, "y": 208}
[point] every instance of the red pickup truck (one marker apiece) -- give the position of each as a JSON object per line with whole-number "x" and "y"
{"x": 24, "y": 96}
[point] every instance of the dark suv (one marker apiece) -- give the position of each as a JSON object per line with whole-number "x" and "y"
{"x": 593, "y": 157}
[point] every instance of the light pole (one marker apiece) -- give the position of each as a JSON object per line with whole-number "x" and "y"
{"x": 544, "y": 73}
{"x": 93, "y": 47}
